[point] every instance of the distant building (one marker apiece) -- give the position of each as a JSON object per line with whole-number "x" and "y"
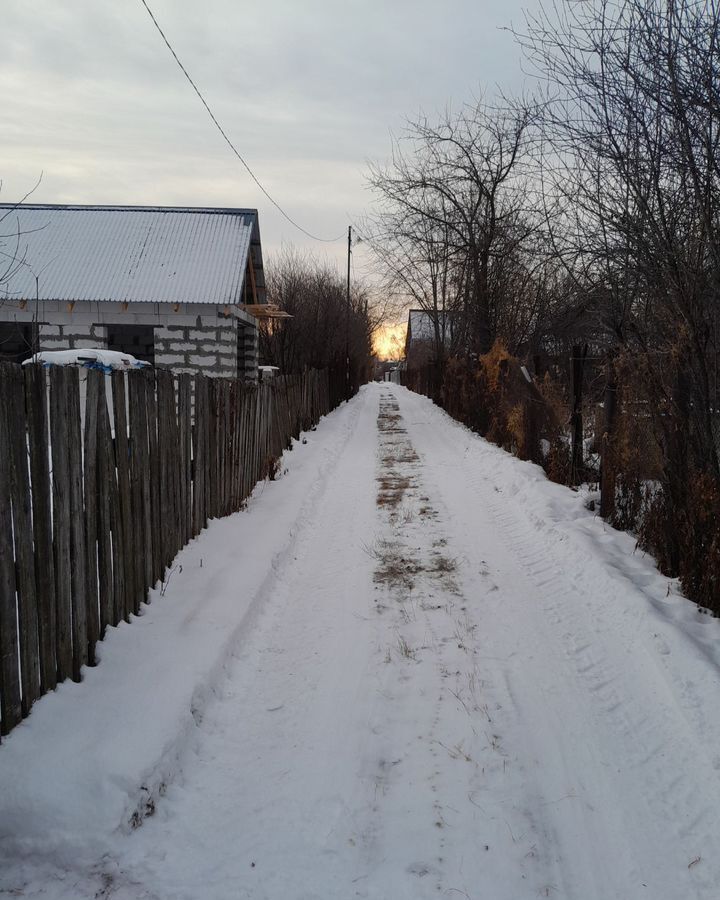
{"x": 174, "y": 286}
{"x": 420, "y": 340}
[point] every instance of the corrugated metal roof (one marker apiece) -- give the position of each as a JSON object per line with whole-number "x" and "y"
{"x": 421, "y": 325}
{"x": 132, "y": 254}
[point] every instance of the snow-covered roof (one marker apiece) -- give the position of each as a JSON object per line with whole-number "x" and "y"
{"x": 421, "y": 325}
{"x": 130, "y": 253}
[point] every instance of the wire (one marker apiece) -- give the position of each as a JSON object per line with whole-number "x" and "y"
{"x": 227, "y": 139}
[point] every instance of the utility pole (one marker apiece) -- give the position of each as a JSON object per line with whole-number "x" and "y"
{"x": 347, "y": 319}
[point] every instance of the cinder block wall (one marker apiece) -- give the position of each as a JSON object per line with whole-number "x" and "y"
{"x": 184, "y": 341}
{"x": 248, "y": 343}
{"x": 71, "y": 336}
{"x": 211, "y": 349}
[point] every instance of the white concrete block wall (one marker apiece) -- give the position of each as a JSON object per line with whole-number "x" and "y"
{"x": 71, "y": 336}
{"x": 250, "y": 347}
{"x": 202, "y": 348}
{"x": 194, "y": 338}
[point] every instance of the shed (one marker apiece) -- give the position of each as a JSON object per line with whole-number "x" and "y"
{"x": 170, "y": 285}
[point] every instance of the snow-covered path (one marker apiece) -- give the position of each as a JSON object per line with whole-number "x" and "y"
{"x": 453, "y": 681}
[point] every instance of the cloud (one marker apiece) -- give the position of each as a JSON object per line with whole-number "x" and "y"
{"x": 308, "y": 91}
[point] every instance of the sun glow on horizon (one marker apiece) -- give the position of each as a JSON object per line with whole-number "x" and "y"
{"x": 389, "y": 341}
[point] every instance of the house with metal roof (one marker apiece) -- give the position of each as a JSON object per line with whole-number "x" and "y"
{"x": 180, "y": 287}
{"x": 421, "y": 345}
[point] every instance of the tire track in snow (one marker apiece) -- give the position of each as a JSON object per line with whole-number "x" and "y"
{"x": 642, "y": 714}
{"x": 478, "y": 844}
{"x": 666, "y": 815}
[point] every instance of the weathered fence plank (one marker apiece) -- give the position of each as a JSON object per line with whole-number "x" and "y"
{"x": 157, "y": 480}
{"x": 212, "y": 495}
{"x": 14, "y": 400}
{"x": 139, "y": 490}
{"x": 123, "y": 540}
{"x": 10, "y": 693}
{"x": 36, "y": 400}
{"x": 77, "y": 526}
{"x": 59, "y": 427}
{"x": 185, "y": 443}
{"x": 108, "y": 584}
{"x": 167, "y": 477}
{"x": 198, "y": 456}
{"x": 95, "y": 383}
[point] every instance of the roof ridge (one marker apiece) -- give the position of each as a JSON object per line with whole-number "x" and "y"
{"x": 226, "y": 210}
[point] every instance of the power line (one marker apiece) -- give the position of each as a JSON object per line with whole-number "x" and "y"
{"x": 227, "y": 139}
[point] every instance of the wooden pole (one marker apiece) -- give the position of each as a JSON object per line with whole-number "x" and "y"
{"x": 579, "y": 354}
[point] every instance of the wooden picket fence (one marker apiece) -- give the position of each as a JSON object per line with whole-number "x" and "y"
{"x": 103, "y": 478}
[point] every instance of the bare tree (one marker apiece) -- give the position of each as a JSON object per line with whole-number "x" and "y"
{"x": 13, "y": 258}
{"x": 449, "y": 214}
{"x": 631, "y": 120}
{"x": 314, "y": 294}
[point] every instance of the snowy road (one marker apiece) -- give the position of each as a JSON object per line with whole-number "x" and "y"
{"x": 455, "y": 682}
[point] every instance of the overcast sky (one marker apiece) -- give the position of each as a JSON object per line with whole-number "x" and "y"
{"x": 308, "y": 91}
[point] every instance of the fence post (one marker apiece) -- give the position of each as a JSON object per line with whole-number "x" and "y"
{"x": 608, "y": 474}
{"x": 579, "y": 355}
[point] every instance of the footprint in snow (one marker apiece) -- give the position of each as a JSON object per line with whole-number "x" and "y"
{"x": 420, "y": 869}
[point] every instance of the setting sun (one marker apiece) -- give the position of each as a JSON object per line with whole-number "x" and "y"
{"x": 389, "y": 341}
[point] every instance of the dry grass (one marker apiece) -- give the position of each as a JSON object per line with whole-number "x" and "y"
{"x": 392, "y": 488}
{"x": 399, "y": 455}
{"x": 389, "y": 423}
{"x": 443, "y": 565}
{"x": 397, "y": 571}
{"x": 406, "y": 651}
{"x": 397, "y": 567}
{"x": 389, "y": 418}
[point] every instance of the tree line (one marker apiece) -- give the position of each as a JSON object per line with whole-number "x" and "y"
{"x": 586, "y": 215}
{"x": 326, "y": 329}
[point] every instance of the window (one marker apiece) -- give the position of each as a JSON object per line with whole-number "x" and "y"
{"x": 138, "y": 340}
{"x": 16, "y": 341}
